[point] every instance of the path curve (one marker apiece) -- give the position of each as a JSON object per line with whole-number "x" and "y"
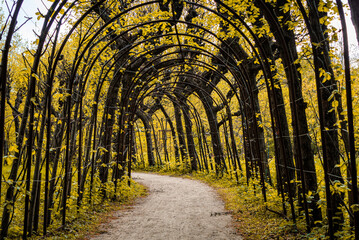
{"x": 176, "y": 208}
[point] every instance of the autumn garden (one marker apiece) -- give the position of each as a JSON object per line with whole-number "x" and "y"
{"x": 262, "y": 94}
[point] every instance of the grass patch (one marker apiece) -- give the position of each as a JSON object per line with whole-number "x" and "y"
{"x": 88, "y": 222}
{"x": 252, "y": 219}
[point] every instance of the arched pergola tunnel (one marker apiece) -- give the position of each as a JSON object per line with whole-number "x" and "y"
{"x": 210, "y": 86}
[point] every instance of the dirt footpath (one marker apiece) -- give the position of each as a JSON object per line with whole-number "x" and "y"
{"x": 176, "y": 208}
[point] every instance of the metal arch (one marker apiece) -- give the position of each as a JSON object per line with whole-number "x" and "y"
{"x": 166, "y": 94}
{"x": 193, "y": 112}
{"x": 207, "y": 54}
{"x": 265, "y": 73}
{"x": 242, "y": 35}
{"x": 164, "y": 35}
{"x": 172, "y": 99}
{"x": 176, "y": 60}
{"x": 273, "y": 131}
{"x": 218, "y": 73}
{"x": 228, "y": 82}
{"x": 135, "y": 7}
{"x": 75, "y": 67}
{"x": 220, "y": 94}
{"x": 215, "y": 71}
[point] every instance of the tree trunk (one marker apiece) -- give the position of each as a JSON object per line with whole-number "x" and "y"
{"x": 146, "y": 123}
{"x": 173, "y": 132}
{"x": 179, "y": 126}
{"x": 213, "y": 126}
{"x": 189, "y": 135}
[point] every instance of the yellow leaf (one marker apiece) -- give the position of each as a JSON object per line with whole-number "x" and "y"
{"x": 355, "y": 207}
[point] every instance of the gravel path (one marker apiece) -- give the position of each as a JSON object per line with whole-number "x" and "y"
{"x": 176, "y": 208}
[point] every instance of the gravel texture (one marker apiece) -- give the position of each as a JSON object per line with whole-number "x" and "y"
{"x": 176, "y": 208}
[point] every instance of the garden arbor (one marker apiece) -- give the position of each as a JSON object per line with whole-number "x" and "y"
{"x": 218, "y": 83}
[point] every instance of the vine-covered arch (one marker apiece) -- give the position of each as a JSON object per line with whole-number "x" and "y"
{"x": 154, "y": 60}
